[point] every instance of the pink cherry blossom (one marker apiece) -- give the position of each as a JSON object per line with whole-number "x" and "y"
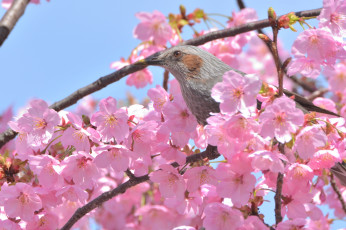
{"x": 20, "y": 200}
{"x": 73, "y": 193}
{"x": 156, "y": 217}
{"x": 308, "y": 140}
{"x": 76, "y": 135}
{"x": 198, "y": 176}
{"x": 171, "y": 183}
{"x": 153, "y": 26}
{"x": 253, "y": 223}
{"x": 299, "y": 175}
{"x": 294, "y": 200}
{"x": 325, "y": 103}
{"x": 171, "y": 153}
{"x": 178, "y": 117}
{"x": 333, "y": 16}
{"x": 159, "y": 96}
{"x": 235, "y": 181}
{"x": 116, "y": 156}
{"x": 39, "y": 123}
{"x": 48, "y": 221}
{"x": 192, "y": 202}
{"x": 268, "y": 160}
{"x": 140, "y": 79}
{"x": 305, "y": 66}
{"x": 81, "y": 169}
{"x": 319, "y": 45}
{"x": 219, "y": 217}
{"x": 336, "y": 76}
{"x": 9, "y": 224}
{"x": 325, "y": 158}
{"x": 48, "y": 170}
{"x": 110, "y": 121}
{"x": 296, "y": 224}
{"x": 280, "y": 119}
{"x": 236, "y": 92}
{"x": 142, "y": 138}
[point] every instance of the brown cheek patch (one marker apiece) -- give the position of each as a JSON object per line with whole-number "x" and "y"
{"x": 193, "y": 63}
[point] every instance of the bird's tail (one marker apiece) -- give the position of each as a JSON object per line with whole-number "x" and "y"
{"x": 339, "y": 170}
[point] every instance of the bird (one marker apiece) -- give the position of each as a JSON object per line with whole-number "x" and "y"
{"x": 197, "y": 71}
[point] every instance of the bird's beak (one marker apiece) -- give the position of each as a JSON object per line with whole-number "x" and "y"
{"x": 151, "y": 60}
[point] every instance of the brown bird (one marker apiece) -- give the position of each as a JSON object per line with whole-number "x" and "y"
{"x": 197, "y": 71}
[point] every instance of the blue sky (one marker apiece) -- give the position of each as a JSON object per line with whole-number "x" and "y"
{"x": 60, "y": 46}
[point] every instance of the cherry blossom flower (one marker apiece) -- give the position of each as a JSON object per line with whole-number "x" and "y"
{"x": 178, "y": 116}
{"x": 198, "y": 176}
{"x": 236, "y": 92}
{"x": 297, "y": 224}
{"x": 219, "y": 217}
{"x": 38, "y": 123}
{"x": 20, "y": 200}
{"x": 159, "y": 96}
{"x": 153, "y": 27}
{"x": 156, "y": 217}
{"x": 308, "y": 140}
{"x": 171, "y": 183}
{"x": 305, "y": 66}
{"x": 110, "y": 121}
{"x": 268, "y": 160}
{"x": 235, "y": 181}
{"x": 336, "y": 77}
{"x": 253, "y": 223}
{"x": 171, "y": 153}
{"x": 319, "y": 45}
{"x": 76, "y": 135}
{"x": 324, "y": 158}
{"x": 333, "y": 16}
{"x": 116, "y": 156}
{"x": 48, "y": 221}
{"x": 48, "y": 170}
{"x": 325, "y": 103}
{"x": 81, "y": 169}
{"x": 280, "y": 119}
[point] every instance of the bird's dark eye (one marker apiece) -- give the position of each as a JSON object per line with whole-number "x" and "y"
{"x": 177, "y": 53}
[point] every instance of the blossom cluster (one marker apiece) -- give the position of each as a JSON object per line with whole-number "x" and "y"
{"x": 60, "y": 161}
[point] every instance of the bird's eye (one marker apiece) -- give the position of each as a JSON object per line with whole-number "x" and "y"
{"x": 177, "y": 53}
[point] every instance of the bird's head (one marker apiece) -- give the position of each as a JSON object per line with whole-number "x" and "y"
{"x": 189, "y": 64}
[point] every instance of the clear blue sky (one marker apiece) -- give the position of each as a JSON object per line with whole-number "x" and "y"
{"x": 60, "y": 46}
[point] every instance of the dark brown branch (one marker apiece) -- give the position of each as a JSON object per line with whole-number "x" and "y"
{"x": 277, "y": 198}
{"x": 241, "y": 4}
{"x": 116, "y": 76}
{"x": 278, "y": 192}
{"x": 336, "y": 190}
{"x": 12, "y": 15}
{"x": 210, "y": 153}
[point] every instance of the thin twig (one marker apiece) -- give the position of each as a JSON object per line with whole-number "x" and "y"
{"x": 278, "y": 192}
{"x": 277, "y": 198}
{"x": 11, "y": 17}
{"x": 210, "y": 153}
{"x": 296, "y": 80}
{"x": 336, "y": 190}
{"x": 116, "y": 76}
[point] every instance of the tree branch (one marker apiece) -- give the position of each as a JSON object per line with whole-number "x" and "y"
{"x": 12, "y": 15}
{"x": 210, "y": 153}
{"x": 116, "y": 76}
{"x": 336, "y": 190}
